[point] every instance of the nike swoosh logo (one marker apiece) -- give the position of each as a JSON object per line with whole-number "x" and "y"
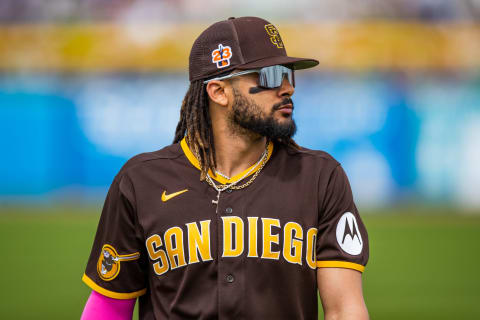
{"x": 166, "y": 197}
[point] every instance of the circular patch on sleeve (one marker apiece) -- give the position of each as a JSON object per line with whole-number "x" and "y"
{"x": 348, "y": 235}
{"x": 108, "y": 265}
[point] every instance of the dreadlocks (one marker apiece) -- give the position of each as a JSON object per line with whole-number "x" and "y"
{"x": 195, "y": 120}
{"x": 196, "y": 126}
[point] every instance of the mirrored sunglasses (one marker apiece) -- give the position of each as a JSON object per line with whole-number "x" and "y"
{"x": 268, "y": 77}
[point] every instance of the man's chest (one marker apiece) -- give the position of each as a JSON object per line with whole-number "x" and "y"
{"x": 184, "y": 224}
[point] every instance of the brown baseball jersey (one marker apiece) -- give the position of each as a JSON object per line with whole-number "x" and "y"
{"x": 161, "y": 238}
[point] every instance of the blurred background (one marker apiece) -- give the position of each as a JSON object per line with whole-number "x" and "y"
{"x": 85, "y": 85}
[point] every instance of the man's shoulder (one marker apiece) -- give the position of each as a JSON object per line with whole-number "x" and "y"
{"x": 306, "y": 154}
{"x": 169, "y": 152}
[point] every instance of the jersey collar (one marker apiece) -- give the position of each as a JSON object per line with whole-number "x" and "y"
{"x": 194, "y": 161}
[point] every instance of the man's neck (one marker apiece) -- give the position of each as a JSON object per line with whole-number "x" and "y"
{"x": 236, "y": 153}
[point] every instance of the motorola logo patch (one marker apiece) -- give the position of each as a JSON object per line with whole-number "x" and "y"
{"x": 348, "y": 235}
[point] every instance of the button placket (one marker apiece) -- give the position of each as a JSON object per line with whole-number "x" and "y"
{"x": 230, "y": 269}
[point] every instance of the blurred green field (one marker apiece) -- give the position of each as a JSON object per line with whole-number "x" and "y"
{"x": 424, "y": 264}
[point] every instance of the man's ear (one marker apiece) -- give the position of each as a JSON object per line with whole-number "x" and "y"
{"x": 217, "y": 91}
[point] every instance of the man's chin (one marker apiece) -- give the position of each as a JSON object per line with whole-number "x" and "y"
{"x": 284, "y": 122}
{"x": 282, "y": 129}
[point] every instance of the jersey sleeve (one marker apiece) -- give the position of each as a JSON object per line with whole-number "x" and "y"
{"x": 342, "y": 240}
{"x": 116, "y": 267}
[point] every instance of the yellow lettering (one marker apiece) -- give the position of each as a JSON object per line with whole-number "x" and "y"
{"x": 269, "y": 238}
{"x": 311, "y": 244}
{"x": 199, "y": 241}
{"x": 294, "y": 242}
{"x": 228, "y": 249}
{"x": 252, "y": 236}
{"x": 153, "y": 243}
{"x": 177, "y": 250}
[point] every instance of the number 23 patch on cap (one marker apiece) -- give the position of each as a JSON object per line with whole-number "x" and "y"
{"x": 221, "y": 56}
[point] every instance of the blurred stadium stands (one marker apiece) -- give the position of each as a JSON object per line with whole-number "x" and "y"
{"x": 13, "y": 11}
{"x": 84, "y": 85}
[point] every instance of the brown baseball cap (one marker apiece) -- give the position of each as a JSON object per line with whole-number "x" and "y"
{"x": 240, "y": 43}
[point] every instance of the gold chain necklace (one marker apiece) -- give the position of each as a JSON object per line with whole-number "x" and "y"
{"x": 233, "y": 186}
{"x": 261, "y": 162}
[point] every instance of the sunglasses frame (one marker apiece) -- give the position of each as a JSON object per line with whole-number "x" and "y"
{"x": 259, "y": 71}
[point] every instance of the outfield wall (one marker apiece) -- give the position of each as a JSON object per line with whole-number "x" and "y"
{"x": 401, "y": 137}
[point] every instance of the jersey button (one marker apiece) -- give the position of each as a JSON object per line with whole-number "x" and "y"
{"x": 230, "y": 278}
{"x": 229, "y": 190}
{"x": 229, "y": 210}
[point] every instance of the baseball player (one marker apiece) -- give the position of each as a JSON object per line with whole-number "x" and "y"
{"x": 234, "y": 220}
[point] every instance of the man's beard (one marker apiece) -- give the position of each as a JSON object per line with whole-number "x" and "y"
{"x": 247, "y": 115}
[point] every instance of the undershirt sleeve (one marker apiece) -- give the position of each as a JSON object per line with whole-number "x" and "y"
{"x": 99, "y": 307}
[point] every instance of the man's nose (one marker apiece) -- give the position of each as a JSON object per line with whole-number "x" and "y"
{"x": 286, "y": 89}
